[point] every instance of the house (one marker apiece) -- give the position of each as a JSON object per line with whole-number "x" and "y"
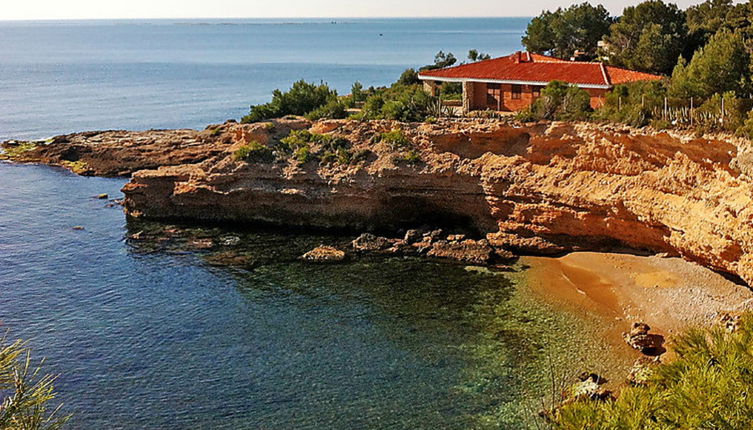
{"x": 513, "y": 83}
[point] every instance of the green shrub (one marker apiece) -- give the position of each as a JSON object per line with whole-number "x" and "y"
{"x": 525, "y": 115}
{"x": 411, "y": 157}
{"x": 563, "y": 102}
{"x": 303, "y": 154}
{"x": 302, "y": 98}
{"x": 634, "y": 104}
{"x": 408, "y": 77}
{"x": 328, "y": 149}
{"x": 395, "y": 139}
{"x": 334, "y": 109}
{"x": 709, "y": 116}
{"x": 356, "y": 92}
{"x": 254, "y": 152}
{"x": 430, "y": 120}
{"x": 707, "y": 386}
{"x": 746, "y": 130}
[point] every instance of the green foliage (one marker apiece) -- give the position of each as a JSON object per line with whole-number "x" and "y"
{"x": 411, "y": 157}
{"x": 712, "y": 16}
{"x": 25, "y": 392}
{"x": 714, "y": 115}
{"x": 474, "y": 55}
{"x": 441, "y": 60}
{"x": 334, "y": 109}
{"x": 633, "y": 103}
{"x": 356, "y": 92}
{"x": 396, "y": 139}
{"x": 302, "y": 98}
{"x": 721, "y": 66}
{"x": 705, "y": 387}
{"x": 578, "y": 28}
{"x": 408, "y": 77}
{"x": 562, "y": 102}
{"x": 328, "y": 149}
{"x": 648, "y": 37}
{"x": 400, "y": 103}
{"x": 746, "y": 130}
{"x": 451, "y": 91}
{"x": 254, "y": 152}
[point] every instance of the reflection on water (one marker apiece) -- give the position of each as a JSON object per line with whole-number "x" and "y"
{"x": 160, "y": 326}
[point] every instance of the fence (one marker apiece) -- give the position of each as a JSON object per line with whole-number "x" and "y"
{"x": 721, "y": 112}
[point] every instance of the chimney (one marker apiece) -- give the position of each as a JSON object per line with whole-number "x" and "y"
{"x": 518, "y": 57}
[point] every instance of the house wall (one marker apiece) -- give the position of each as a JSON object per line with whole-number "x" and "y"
{"x": 597, "y": 97}
{"x": 474, "y": 97}
{"x": 432, "y": 87}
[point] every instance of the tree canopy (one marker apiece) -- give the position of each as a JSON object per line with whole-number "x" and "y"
{"x": 720, "y": 66}
{"x": 562, "y": 32}
{"x": 649, "y": 37}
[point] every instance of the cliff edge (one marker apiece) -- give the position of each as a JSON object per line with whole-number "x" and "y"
{"x": 543, "y": 188}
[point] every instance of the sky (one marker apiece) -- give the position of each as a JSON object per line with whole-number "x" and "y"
{"x": 96, "y": 9}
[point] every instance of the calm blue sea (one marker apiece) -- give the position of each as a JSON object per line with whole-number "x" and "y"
{"x": 60, "y": 77}
{"x": 220, "y": 328}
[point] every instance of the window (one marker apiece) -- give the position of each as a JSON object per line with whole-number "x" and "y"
{"x": 536, "y": 92}
{"x": 517, "y": 90}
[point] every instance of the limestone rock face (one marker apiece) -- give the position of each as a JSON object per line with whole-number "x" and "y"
{"x": 544, "y": 188}
{"x": 547, "y": 188}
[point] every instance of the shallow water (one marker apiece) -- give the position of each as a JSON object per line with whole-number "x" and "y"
{"x": 154, "y": 333}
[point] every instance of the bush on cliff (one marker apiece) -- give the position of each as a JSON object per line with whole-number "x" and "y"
{"x": 334, "y": 109}
{"x": 399, "y": 103}
{"x": 561, "y": 102}
{"x": 707, "y": 386}
{"x": 302, "y": 98}
{"x": 305, "y": 146}
{"x": 254, "y": 152}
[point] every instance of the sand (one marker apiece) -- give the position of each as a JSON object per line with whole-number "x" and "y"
{"x": 669, "y": 294}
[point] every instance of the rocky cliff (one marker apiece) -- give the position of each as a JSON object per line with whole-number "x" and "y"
{"x": 537, "y": 188}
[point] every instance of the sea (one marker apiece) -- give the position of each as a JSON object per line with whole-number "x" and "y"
{"x": 178, "y": 326}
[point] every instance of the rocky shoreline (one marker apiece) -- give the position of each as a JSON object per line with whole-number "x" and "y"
{"x": 544, "y": 188}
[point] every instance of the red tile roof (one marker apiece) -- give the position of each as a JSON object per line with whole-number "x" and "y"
{"x": 527, "y": 67}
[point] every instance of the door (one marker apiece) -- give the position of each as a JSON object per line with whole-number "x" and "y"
{"x": 494, "y": 99}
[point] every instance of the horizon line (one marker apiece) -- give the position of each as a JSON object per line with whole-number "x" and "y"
{"x": 263, "y": 17}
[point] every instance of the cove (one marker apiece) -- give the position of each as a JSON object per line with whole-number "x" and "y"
{"x": 167, "y": 334}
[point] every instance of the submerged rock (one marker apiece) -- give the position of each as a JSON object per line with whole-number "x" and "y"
{"x": 324, "y": 254}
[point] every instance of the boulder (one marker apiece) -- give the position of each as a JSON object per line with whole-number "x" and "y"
{"x": 368, "y": 242}
{"x": 468, "y": 251}
{"x": 639, "y": 338}
{"x": 324, "y": 254}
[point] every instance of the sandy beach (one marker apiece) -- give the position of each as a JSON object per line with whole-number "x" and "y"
{"x": 669, "y": 294}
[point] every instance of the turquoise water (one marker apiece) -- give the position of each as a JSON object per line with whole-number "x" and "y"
{"x": 60, "y": 77}
{"x": 212, "y": 328}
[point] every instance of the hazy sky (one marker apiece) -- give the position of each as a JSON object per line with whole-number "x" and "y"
{"x": 80, "y": 9}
